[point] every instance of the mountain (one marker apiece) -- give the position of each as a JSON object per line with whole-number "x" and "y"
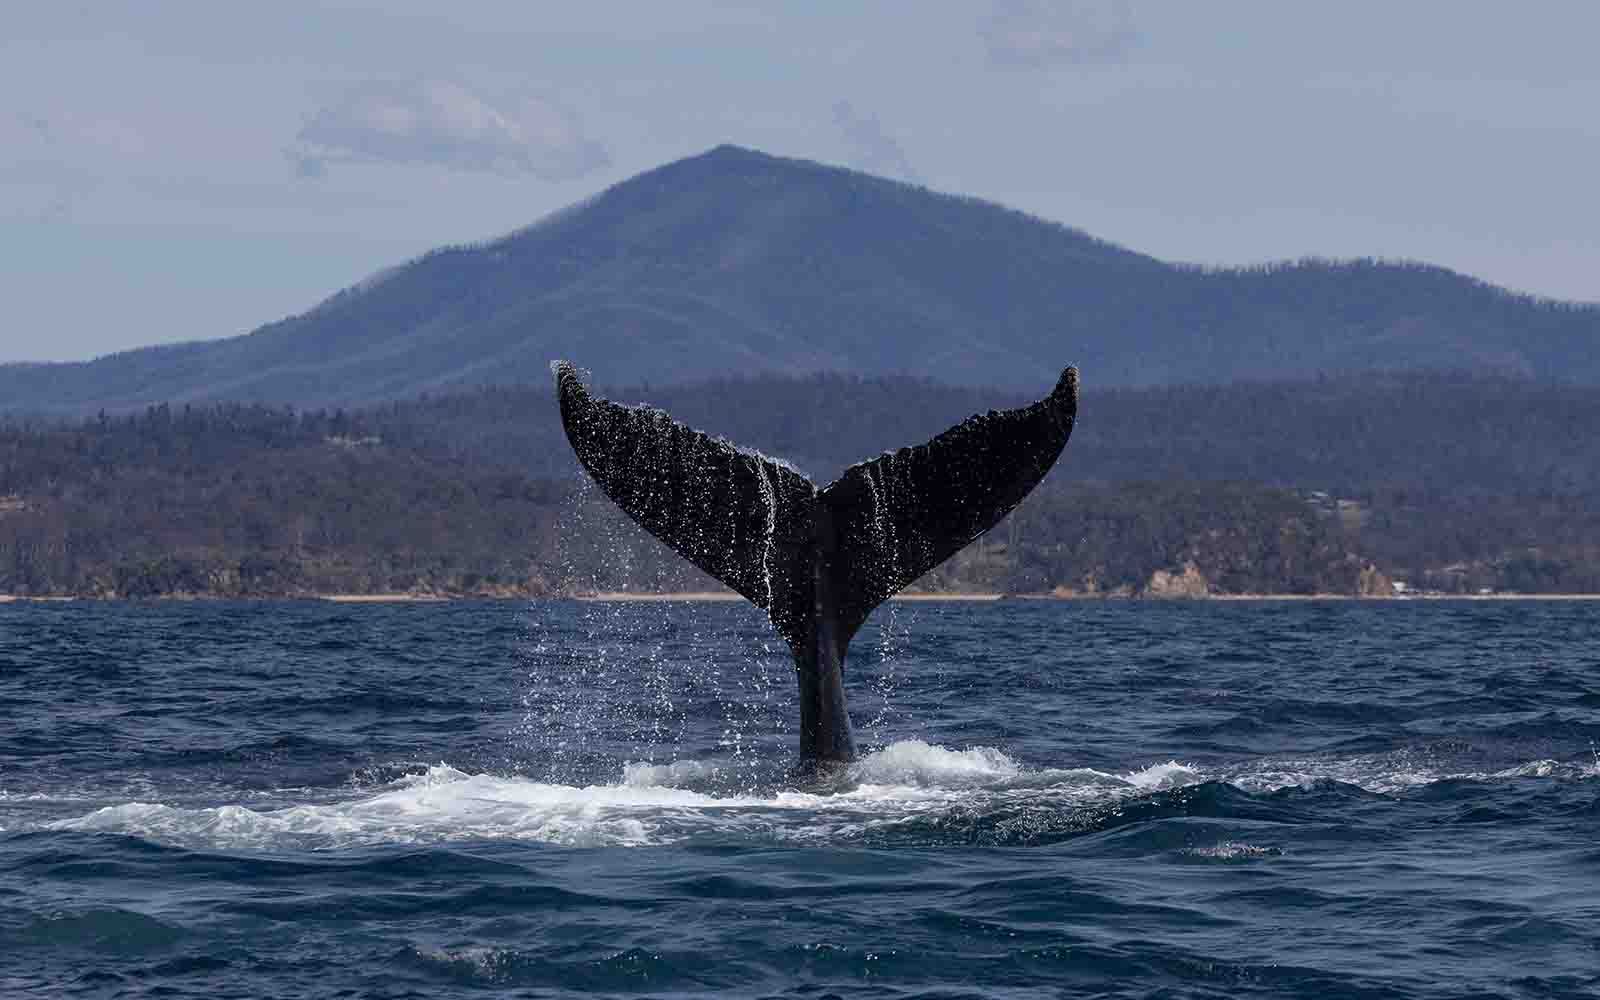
{"x": 735, "y": 262}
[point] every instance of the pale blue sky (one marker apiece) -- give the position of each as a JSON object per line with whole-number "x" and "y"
{"x": 188, "y": 170}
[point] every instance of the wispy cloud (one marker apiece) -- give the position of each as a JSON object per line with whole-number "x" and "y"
{"x": 36, "y": 124}
{"x": 39, "y": 181}
{"x": 1044, "y": 33}
{"x": 871, "y": 147}
{"x": 444, "y": 124}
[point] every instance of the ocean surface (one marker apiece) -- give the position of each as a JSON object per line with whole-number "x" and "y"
{"x": 1292, "y": 799}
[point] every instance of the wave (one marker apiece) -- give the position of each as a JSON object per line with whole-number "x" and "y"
{"x": 910, "y": 789}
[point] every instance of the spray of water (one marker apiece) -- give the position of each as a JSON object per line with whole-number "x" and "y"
{"x": 610, "y": 677}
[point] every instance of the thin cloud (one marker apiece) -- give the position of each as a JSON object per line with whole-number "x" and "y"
{"x": 871, "y": 147}
{"x": 37, "y": 124}
{"x": 1045, "y": 33}
{"x": 37, "y": 184}
{"x": 443, "y": 124}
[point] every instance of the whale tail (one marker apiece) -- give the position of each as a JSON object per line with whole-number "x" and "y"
{"x": 817, "y": 561}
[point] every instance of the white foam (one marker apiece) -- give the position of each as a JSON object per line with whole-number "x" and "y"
{"x": 442, "y": 804}
{"x": 904, "y": 783}
{"x": 915, "y": 763}
{"x": 478, "y": 961}
{"x": 901, "y": 783}
{"x": 1233, "y": 851}
{"x": 674, "y": 775}
{"x": 1389, "y": 774}
{"x": 1158, "y": 777}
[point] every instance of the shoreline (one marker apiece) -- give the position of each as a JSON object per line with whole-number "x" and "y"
{"x": 625, "y": 596}
{"x": 400, "y": 598}
{"x": 728, "y": 595}
{"x": 724, "y": 596}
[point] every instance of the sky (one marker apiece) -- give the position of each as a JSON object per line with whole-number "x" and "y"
{"x": 180, "y": 170}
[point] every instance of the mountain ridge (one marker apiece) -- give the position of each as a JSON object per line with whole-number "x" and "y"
{"x": 737, "y": 262}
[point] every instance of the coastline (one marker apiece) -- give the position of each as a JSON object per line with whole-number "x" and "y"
{"x": 728, "y": 595}
{"x": 400, "y": 598}
{"x": 644, "y": 597}
{"x": 723, "y": 596}
{"x": 1400, "y": 598}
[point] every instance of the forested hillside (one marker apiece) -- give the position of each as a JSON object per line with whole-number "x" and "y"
{"x": 237, "y": 500}
{"x": 1448, "y": 483}
{"x": 734, "y": 262}
{"x": 1444, "y": 434}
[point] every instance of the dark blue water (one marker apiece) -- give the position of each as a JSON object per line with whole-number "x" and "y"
{"x": 1195, "y": 800}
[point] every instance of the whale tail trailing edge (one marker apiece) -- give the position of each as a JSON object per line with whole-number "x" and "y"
{"x": 817, "y": 561}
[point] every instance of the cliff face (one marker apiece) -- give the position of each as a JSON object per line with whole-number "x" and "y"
{"x": 1187, "y": 582}
{"x": 1366, "y": 580}
{"x": 1374, "y": 582}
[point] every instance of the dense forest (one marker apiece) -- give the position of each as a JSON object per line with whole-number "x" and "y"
{"x": 734, "y": 262}
{"x": 1449, "y": 483}
{"x": 235, "y": 500}
{"x": 1442, "y": 435}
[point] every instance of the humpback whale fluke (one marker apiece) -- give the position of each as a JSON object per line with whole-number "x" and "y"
{"x": 817, "y": 561}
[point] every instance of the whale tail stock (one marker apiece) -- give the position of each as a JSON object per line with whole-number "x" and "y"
{"x": 817, "y": 561}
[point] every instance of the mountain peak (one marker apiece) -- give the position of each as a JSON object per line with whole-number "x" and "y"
{"x": 728, "y": 160}
{"x": 729, "y": 151}
{"x": 734, "y": 261}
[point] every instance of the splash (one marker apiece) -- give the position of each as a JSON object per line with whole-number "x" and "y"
{"x": 652, "y": 804}
{"x": 912, "y": 789}
{"x": 637, "y": 675}
{"x": 916, "y": 763}
{"x": 443, "y": 804}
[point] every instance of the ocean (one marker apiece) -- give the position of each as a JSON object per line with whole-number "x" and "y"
{"x": 1106, "y": 799}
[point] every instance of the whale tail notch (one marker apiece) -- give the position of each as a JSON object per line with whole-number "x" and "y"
{"x": 797, "y": 552}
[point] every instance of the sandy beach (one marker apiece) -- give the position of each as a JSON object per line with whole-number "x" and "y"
{"x": 381, "y": 598}
{"x": 728, "y": 595}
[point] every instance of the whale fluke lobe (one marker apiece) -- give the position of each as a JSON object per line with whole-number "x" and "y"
{"x": 740, "y": 517}
{"x": 817, "y": 561}
{"x": 903, "y": 513}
